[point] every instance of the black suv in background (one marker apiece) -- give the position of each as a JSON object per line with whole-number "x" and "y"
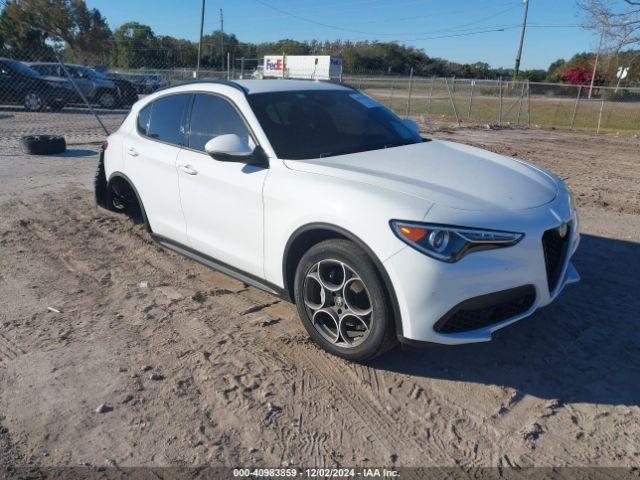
{"x": 127, "y": 93}
{"x": 23, "y": 85}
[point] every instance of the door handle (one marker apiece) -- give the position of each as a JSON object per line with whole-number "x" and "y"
{"x": 188, "y": 169}
{"x": 132, "y": 151}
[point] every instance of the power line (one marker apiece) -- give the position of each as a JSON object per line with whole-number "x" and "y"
{"x": 461, "y": 27}
{"x": 336, "y": 27}
{"x": 427, "y": 15}
{"x": 497, "y": 28}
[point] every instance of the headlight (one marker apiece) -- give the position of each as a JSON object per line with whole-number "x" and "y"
{"x": 450, "y": 244}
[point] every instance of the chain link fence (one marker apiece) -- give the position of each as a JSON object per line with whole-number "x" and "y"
{"x": 506, "y": 103}
{"x": 43, "y": 95}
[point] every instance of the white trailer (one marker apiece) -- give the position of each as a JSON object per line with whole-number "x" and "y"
{"x": 315, "y": 67}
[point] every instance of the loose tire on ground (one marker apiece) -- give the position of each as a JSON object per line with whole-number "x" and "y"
{"x": 379, "y": 335}
{"x": 42, "y": 144}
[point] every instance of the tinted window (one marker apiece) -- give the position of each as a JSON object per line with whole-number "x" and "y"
{"x": 168, "y": 119}
{"x": 21, "y": 68}
{"x": 314, "y": 124}
{"x": 143, "y": 119}
{"x": 46, "y": 69}
{"x": 212, "y": 116}
{"x": 93, "y": 73}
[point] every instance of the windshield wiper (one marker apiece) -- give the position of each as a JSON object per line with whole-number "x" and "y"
{"x": 401, "y": 144}
{"x": 365, "y": 149}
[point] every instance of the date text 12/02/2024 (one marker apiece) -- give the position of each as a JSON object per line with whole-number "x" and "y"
{"x": 316, "y": 472}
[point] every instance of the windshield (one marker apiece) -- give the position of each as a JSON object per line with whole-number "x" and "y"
{"x": 324, "y": 123}
{"x": 21, "y": 68}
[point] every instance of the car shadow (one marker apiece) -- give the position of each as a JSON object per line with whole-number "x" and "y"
{"x": 76, "y": 153}
{"x": 584, "y": 347}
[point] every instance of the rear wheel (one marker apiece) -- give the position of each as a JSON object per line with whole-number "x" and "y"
{"x": 342, "y": 302}
{"x": 34, "y": 102}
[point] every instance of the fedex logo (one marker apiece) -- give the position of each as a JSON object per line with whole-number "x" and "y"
{"x": 274, "y": 64}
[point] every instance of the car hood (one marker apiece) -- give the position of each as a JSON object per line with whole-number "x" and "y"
{"x": 445, "y": 173}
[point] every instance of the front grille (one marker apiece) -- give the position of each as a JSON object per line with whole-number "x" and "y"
{"x": 480, "y": 312}
{"x": 555, "y": 246}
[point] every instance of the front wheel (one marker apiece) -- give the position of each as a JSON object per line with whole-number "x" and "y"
{"x": 106, "y": 100}
{"x": 342, "y": 302}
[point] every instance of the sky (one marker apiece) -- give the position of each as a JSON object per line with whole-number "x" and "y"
{"x": 457, "y": 30}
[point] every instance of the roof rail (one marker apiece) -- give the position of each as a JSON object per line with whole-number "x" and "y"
{"x": 221, "y": 81}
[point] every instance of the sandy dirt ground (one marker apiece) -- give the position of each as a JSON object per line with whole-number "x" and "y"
{"x": 198, "y": 368}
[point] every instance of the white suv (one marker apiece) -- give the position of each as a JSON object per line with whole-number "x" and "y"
{"x": 319, "y": 194}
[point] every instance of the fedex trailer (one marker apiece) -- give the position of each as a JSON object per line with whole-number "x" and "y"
{"x": 315, "y": 67}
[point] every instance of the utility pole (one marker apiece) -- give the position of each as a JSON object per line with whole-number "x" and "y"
{"x": 222, "y": 38}
{"x": 524, "y": 28}
{"x": 200, "y": 42}
{"x": 595, "y": 63}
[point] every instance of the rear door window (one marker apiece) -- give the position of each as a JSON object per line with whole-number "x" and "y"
{"x": 212, "y": 116}
{"x": 168, "y": 121}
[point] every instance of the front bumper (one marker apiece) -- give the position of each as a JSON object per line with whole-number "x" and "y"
{"x": 428, "y": 291}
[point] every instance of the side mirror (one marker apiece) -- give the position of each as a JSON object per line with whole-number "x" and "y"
{"x": 411, "y": 125}
{"x": 229, "y": 148}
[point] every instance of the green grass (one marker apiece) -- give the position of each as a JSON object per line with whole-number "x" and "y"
{"x": 546, "y": 111}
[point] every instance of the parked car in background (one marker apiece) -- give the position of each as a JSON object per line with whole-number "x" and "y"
{"x": 146, "y": 83}
{"x": 94, "y": 86}
{"x": 23, "y": 85}
{"x": 127, "y": 93}
{"x": 135, "y": 80}
{"x": 155, "y": 82}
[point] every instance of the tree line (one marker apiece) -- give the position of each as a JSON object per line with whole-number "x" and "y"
{"x": 40, "y": 30}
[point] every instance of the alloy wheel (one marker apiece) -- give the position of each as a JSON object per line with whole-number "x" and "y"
{"x": 33, "y": 102}
{"x": 107, "y": 100}
{"x": 338, "y": 303}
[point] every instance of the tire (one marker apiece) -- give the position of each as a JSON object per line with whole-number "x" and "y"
{"x": 106, "y": 99}
{"x": 42, "y": 144}
{"x": 342, "y": 301}
{"x": 122, "y": 198}
{"x": 34, "y": 102}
